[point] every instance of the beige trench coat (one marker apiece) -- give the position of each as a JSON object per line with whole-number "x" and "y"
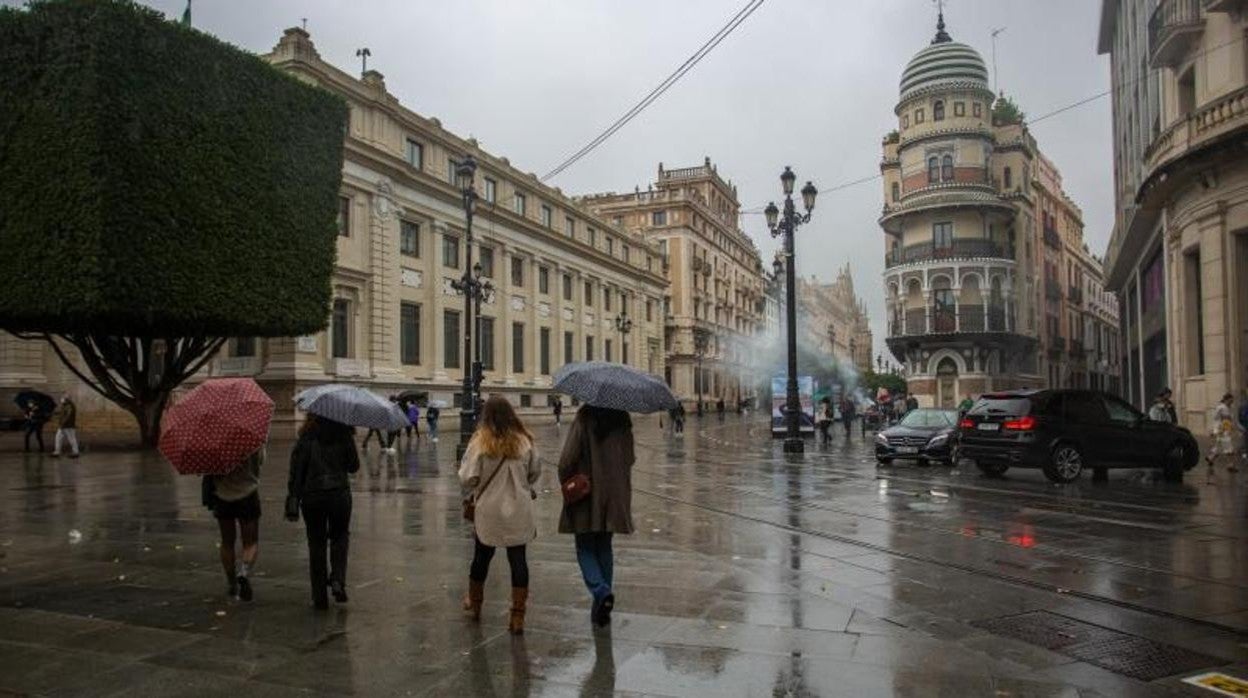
{"x": 504, "y": 515}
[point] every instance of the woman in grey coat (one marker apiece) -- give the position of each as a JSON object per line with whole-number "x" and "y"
{"x": 600, "y": 446}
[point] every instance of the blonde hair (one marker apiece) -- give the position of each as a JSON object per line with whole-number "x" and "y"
{"x": 500, "y": 433}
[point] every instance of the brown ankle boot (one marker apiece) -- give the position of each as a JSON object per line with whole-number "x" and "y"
{"x": 519, "y": 599}
{"x": 474, "y": 598}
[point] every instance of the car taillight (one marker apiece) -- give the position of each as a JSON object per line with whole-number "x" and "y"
{"x": 1021, "y": 424}
{"x": 966, "y": 423}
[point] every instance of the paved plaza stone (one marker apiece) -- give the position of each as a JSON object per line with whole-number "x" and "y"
{"x": 751, "y": 573}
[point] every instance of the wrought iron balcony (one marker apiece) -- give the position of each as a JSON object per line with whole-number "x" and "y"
{"x": 944, "y": 320}
{"x": 959, "y": 248}
{"x": 1052, "y": 289}
{"x": 1075, "y": 294}
{"x": 1173, "y": 29}
{"x": 1052, "y": 238}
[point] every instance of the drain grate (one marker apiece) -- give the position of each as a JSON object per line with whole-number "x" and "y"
{"x": 1129, "y": 655}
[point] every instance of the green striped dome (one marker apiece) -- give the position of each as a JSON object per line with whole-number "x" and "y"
{"x": 944, "y": 63}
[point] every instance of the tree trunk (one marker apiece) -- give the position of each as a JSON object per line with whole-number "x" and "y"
{"x": 148, "y": 415}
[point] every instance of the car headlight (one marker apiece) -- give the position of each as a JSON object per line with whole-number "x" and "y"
{"x": 938, "y": 440}
{"x": 881, "y": 439}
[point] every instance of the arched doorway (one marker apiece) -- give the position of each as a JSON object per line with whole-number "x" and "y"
{"x": 947, "y": 384}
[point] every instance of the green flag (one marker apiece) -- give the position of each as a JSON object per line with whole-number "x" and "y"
{"x": 186, "y": 16}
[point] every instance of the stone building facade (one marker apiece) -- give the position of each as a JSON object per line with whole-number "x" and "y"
{"x": 716, "y": 308}
{"x": 834, "y": 320}
{"x": 976, "y": 231}
{"x": 1178, "y": 257}
{"x": 562, "y": 275}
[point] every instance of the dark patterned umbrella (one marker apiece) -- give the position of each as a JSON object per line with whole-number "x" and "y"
{"x": 615, "y": 386}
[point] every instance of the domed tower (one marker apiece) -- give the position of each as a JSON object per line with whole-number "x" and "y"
{"x": 951, "y": 260}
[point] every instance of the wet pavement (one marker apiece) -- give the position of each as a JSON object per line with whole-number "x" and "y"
{"x": 751, "y": 573}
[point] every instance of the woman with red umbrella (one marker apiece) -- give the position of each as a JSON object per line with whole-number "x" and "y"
{"x": 235, "y": 502}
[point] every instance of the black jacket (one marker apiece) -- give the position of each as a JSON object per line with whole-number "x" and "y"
{"x": 321, "y": 463}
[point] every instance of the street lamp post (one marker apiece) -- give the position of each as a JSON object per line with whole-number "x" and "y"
{"x": 831, "y": 340}
{"x": 787, "y": 226}
{"x": 474, "y": 290}
{"x": 623, "y": 325}
{"x": 853, "y": 353}
{"x": 701, "y": 340}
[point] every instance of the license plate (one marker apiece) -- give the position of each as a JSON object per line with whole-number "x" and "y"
{"x": 907, "y": 449}
{"x": 988, "y": 427}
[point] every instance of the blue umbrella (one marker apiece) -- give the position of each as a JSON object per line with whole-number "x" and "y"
{"x": 352, "y": 405}
{"x": 614, "y": 386}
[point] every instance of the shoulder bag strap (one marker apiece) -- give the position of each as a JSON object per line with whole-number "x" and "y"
{"x": 490, "y": 479}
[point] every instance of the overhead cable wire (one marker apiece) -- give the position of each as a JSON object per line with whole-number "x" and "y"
{"x": 662, "y": 87}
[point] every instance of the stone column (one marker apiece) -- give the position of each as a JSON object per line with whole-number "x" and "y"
{"x": 383, "y": 310}
{"x": 437, "y": 290}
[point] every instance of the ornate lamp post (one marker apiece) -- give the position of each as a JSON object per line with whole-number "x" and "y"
{"x": 623, "y": 325}
{"x": 831, "y": 340}
{"x": 474, "y": 290}
{"x": 853, "y": 353}
{"x": 701, "y": 341}
{"x": 787, "y": 226}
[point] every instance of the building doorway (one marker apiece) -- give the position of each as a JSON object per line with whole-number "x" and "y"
{"x": 946, "y": 384}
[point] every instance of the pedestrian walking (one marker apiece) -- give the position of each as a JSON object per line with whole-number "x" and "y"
{"x": 848, "y": 412}
{"x": 912, "y": 403}
{"x": 369, "y": 436}
{"x": 319, "y": 485}
{"x": 234, "y": 499}
{"x": 36, "y": 417}
{"x": 66, "y": 416}
{"x": 599, "y": 448}
{"x": 823, "y": 420}
{"x": 966, "y": 404}
{"x": 431, "y": 417}
{"x": 1162, "y": 410}
{"x": 1222, "y": 428}
{"x": 413, "y": 418}
{"x": 557, "y": 407}
{"x": 678, "y": 418}
{"x": 719, "y": 408}
{"x": 500, "y": 468}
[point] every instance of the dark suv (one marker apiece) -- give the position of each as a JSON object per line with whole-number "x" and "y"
{"x": 1065, "y": 431}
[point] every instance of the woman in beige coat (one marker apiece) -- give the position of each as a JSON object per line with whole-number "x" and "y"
{"x": 500, "y": 467}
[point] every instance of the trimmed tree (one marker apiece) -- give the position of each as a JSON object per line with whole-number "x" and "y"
{"x": 160, "y": 191}
{"x": 1005, "y": 112}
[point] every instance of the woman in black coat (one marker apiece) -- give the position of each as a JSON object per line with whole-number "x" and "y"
{"x": 320, "y": 464}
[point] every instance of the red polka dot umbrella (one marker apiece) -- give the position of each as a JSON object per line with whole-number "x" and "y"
{"x": 214, "y": 427}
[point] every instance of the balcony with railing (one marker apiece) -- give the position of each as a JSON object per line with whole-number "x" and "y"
{"x": 942, "y": 320}
{"x": 1057, "y": 344}
{"x": 1076, "y": 348}
{"x": 1175, "y": 26}
{"x": 1209, "y": 123}
{"x": 958, "y": 248}
{"x": 1075, "y": 294}
{"x": 1052, "y": 238}
{"x": 1052, "y": 289}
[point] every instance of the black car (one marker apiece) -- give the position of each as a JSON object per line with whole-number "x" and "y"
{"x": 1064, "y": 432}
{"x": 923, "y": 434}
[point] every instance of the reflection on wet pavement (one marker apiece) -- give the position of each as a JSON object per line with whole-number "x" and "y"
{"x": 751, "y": 573}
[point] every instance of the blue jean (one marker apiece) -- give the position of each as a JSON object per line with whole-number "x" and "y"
{"x": 594, "y": 555}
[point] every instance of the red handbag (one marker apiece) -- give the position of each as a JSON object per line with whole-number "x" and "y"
{"x": 575, "y": 488}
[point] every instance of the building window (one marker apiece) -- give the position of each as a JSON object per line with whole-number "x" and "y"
{"x": 546, "y": 215}
{"x": 450, "y": 170}
{"x": 567, "y": 287}
{"x": 946, "y": 168}
{"x": 1008, "y": 179}
{"x": 658, "y": 218}
{"x": 606, "y": 350}
{"x": 487, "y": 261}
{"x": 938, "y": 110}
{"x": 959, "y": 108}
{"x": 344, "y": 216}
{"x": 588, "y": 298}
{"x": 409, "y": 238}
{"x": 918, "y": 116}
{"x": 519, "y": 204}
{"x": 933, "y": 170}
{"x": 450, "y": 339}
{"x": 543, "y": 351}
{"x": 543, "y": 280}
{"x": 491, "y": 190}
{"x": 977, "y": 109}
{"x": 409, "y": 333}
{"x": 896, "y": 191}
{"x": 517, "y": 347}
{"x": 568, "y": 340}
{"x": 942, "y": 236}
{"x": 244, "y": 346}
{"x": 610, "y": 246}
{"x": 487, "y": 343}
{"x": 340, "y": 328}
{"x": 649, "y": 311}
{"x": 450, "y": 251}
{"x": 606, "y": 299}
{"x": 569, "y": 226}
{"x": 905, "y": 121}
{"x": 591, "y": 236}
{"x": 589, "y": 348}
{"x": 517, "y": 272}
{"x": 1194, "y": 312}
{"x": 624, "y": 253}
{"x": 415, "y": 154}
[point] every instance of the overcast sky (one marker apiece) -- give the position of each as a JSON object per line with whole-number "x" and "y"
{"x": 807, "y": 83}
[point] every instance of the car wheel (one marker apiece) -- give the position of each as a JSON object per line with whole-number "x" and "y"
{"x": 992, "y": 469}
{"x": 1175, "y": 460}
{"x": 1065, "y": 464}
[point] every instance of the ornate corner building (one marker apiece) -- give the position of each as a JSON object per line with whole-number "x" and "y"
{"x": 979, "y": 290}
{"x": 716, "y": 304}
{"x": 1178, "y": 257}
{"x": 835, "y": 321}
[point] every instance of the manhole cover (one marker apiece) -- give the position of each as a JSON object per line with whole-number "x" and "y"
{"x": 1121, "y": 653}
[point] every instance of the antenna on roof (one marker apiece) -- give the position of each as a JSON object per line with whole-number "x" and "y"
{"x": 995, "y": 32}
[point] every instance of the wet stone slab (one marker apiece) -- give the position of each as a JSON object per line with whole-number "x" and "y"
{"x": 750, "y": 573}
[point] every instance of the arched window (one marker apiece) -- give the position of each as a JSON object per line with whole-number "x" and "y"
{"x": 938, "y": 110}
{"x": 933, "y": 170}
{"x": 896, "y": 191}
{"x": 946, "y": 168}
{"x": 1009, "y": 179}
